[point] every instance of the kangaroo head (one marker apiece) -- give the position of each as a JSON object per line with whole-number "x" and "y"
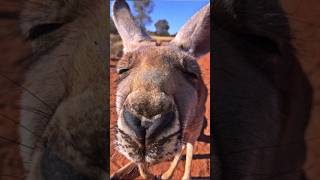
{"x": 66, "y": 85}
{"x": 160, "y": 89}
{"x": 262, "y": 96}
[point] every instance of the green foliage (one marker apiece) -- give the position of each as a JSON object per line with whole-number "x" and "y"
{"x": 143, "y": 9}
{"x": 162, "y": 27}
{"x": 151, "y": 33}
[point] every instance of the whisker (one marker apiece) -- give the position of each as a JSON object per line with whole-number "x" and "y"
{"x": 12, "y": 176}
{"x": 23, "y": 151}
{"x": 32, "y": 94}
{"x": 15, "y": 142}
{"x": 28, "y": 109}
{"x": 16, "y": 122}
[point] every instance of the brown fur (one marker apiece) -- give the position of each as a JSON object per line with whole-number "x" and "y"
{"x": 68, "y": 70}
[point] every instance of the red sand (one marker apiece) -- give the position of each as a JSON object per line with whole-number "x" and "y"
{"x": 201, "y": 162}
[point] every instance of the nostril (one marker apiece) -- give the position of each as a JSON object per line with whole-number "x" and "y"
{"x": 148, "y": 130}
{"x": 134, "y": 124}
{"x": 160, "y": 124}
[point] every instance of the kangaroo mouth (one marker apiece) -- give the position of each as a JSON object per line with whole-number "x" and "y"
{"x": 159, "y": 150}
{"x": 149, "y": 148}
{"x": 148, "y": 132}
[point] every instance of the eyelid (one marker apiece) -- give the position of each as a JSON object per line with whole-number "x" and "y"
{"x": 123, "y": 69}
{"x": 262, "y": 42}
{"x": 122, "y": 76}
{"x": 191, "y": 68}
{"x": 194, "y": 74}
{"x": 189, "y": 72}
{"x": 42, "y": 29}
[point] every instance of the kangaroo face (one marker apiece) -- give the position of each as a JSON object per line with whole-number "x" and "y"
{"x": 158, "y": 89}
{"x": 262, "y": 96}
{"x": 66, "y": 85}
{"x": 160, "y": 92}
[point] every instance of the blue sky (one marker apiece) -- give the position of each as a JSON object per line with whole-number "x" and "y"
{"x": 176, "y": 12}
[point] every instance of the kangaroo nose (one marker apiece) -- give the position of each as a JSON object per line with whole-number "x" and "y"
{"x": 160, "y": 124}
{"x": 134, "y": 124}
{"x": 148, "y": 129}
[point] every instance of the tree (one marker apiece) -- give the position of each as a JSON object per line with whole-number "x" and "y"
{"x": 162, "y": 27}
{"x": 143, "y": 9}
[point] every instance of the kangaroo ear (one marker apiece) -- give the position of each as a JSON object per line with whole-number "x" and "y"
{"x": 194, "y": 36}
{"x": 131, "y": 34}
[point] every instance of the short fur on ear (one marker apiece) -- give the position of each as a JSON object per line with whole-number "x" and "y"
{"x": 131, "y": 34}
{"x": 194, "y": 36}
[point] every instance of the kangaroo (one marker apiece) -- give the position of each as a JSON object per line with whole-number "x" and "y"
{"x": 160, "y": 93}
{"x": 262, "y": 97}
{"x": 65, "y": 86}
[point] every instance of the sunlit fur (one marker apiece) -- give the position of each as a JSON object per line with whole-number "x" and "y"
{"x": 156, "y": 80}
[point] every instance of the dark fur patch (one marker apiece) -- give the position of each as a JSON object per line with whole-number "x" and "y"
{"x": 52, "y": 168}
{"x": 262, "y": 97}
{"x": 43, "y": 29}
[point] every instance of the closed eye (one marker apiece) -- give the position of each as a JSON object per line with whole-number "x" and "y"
{"x": 122, "y": 74}
{"x": 43, "y": 29}
{"x": 122, "y": 70}
{"x": 191, "y": 75}
{"x": 263, "y": 43}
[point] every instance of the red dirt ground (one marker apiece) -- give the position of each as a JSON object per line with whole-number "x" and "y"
{"x": 201, "y": 162}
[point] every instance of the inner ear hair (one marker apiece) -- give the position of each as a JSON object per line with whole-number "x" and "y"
{"x": 130, "y": 32}
{"x": 194, "y": 36}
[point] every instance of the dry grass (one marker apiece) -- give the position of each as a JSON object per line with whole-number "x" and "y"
{"x": 116, "y": 44}
{"x": 162, "y": 38}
